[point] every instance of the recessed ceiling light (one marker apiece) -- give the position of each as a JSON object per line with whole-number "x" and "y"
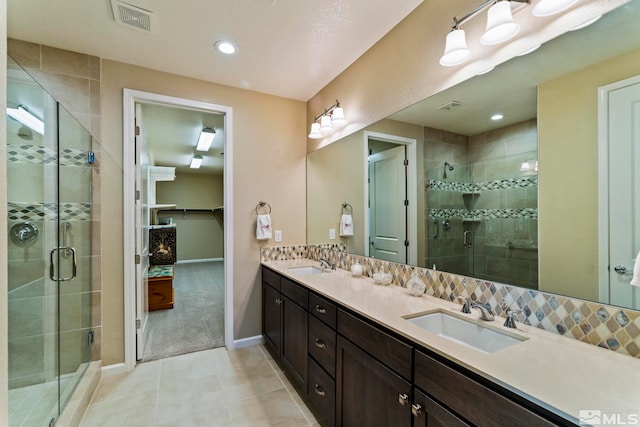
{"x": 225, "y": 47}
{"x": 497, "y": 117}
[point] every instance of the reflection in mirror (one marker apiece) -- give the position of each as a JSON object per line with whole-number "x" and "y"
{"x": 513, "y": 200}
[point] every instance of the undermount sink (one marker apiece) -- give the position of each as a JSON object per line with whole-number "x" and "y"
{"x": 464, "y": 331}
{"x": 309, "y": 270}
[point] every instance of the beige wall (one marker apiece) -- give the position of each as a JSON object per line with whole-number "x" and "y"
{"x": 402, "y": 68}
{"x": 568, "y": 154}
{"x": 200, "y": 235}
{"x": 4, "y": 338}
{"x": 268, "y": 164}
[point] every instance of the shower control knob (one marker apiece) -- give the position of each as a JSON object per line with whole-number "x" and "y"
{"x": 621, "y": 269}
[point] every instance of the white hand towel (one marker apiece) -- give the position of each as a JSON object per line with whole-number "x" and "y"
{"x": 636, "y": 272}
{"x": 346, "y": 225}
{"x": 263, "y": 229}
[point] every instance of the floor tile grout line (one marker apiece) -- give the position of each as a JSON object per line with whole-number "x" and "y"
{"x": 263, "y": 350}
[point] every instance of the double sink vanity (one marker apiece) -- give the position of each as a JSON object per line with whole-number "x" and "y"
{"x": 365, "y": 354}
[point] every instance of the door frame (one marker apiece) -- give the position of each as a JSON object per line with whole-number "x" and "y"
{"x": 603, "y": 183}
{"x": 130, "y": 98}
{"x": 412, "y": 189}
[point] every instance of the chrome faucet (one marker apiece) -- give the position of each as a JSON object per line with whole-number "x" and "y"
{"x": 510, "y": 322}
{"x": 465, "y": 304}
{"x": 485, "y": 310}
{"x": 324, "y": 263}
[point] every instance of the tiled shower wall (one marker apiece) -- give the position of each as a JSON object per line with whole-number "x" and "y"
{"x": 606, "y": 326}
{"x": 73, "y": 80}
{"x": 489, "y": 197}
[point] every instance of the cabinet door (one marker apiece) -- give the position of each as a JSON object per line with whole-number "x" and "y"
{"x": 367, "y": 392}
{"x": 428, "y": 413}
{"x": 294, "y": 340}
{"x": 271, "y": 319}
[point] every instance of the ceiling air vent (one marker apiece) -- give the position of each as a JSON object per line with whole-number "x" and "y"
{"x": 450, "y": 106}
{"x": 132, "y": 16}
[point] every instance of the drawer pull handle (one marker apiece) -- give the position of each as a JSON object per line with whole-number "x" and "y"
{"x": 319, "y": 391}
{"x": 403, "y": 399}
{"x": 320, "y": 344}
{"x": 416, "y": 409}
{"x": 321, "y": 310}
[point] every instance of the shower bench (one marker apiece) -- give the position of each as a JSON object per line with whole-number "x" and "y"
{"x": 160, "y": 280}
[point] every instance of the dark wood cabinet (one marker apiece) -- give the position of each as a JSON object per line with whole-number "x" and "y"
{"x": 367, "y": 392}
{"x": 272, "y": 319}
{"x": 429, "y": 413}
{"x": 294, "y": 341}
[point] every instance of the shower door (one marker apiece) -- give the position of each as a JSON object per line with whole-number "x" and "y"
{"x": 49, "y": 219}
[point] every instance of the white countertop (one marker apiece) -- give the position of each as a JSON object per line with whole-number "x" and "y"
{"x": 558, "y": 373}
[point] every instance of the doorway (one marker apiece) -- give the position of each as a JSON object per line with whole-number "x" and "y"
{"x": 619, "y": 146}
{"x": 135, "y": 290}
{"x": 391, "y": 192}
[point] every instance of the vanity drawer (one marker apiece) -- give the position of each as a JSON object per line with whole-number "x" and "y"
{"x": 389, "y": 350}
{"x": 271, "y": 277}
{"x": 322, "y": 345}
{"x": 295, "y": 292}
{"x": 323, "y": 309}
{"x": 471, "y": 400}
{"x": 321, "y": 389}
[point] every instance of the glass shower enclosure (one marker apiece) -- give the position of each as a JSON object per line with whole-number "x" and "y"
{"x": 49, "y": 161}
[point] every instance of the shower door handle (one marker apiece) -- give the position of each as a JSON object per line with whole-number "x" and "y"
{"x": 74, "y": 267}
{"x": 467, "y": 239}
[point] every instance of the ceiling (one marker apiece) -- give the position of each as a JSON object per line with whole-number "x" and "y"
{"x": 511, "y": 89}
{"x": 289, "y": 48}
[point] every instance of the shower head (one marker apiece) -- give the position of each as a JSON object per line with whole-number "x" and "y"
{"x": 447, "y": 165}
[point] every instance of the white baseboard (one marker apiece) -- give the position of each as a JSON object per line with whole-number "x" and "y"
{"x": 191, "y": 261}
{"x": 114, "y": 369}
{"x": 248, "y": 342}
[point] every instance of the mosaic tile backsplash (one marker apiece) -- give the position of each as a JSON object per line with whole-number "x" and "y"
{"x": 609, "y": 327}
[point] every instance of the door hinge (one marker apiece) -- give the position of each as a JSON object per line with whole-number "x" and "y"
{"x": 137, "y": 130}
{"x": 137, "y": 259}
{"x": 90, "y": 338}
{"x": 406, "y": 162}
{"x": 138, "y": 324}
{"x": 406, "y": 243}
{"x": 406, "y": 202}
{"x": 137, "y": 194}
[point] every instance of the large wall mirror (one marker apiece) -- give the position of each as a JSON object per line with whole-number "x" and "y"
{"x": 517, "y": 199}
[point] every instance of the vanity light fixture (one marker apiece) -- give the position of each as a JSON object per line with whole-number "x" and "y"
{"x": 332, "y": 116}
{"x": 196, "y": 162}
{"x": 206, "y": 139}
{"x": 551, "y": 7}
{"x": 500, "y": 26}
{"x": 23, "y": 115}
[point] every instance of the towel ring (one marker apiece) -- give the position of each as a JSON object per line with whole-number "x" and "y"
{"x": 346, "y": 205}
{"x": 262, "y": 204}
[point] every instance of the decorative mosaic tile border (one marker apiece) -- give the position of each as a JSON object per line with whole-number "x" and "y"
{"x": 464, "y": 214}
{"x": 48, "y": 211}
{"x": 468, "y": 187}
{"x": 39, "y": 155}
{"x": 609, "y": 327}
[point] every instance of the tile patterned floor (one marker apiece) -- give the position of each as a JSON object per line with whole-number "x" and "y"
{"x": 243, "y": 387}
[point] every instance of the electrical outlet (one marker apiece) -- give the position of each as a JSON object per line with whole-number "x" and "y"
{"x": 278, "y": 236}
{"x": 332, "y": 234}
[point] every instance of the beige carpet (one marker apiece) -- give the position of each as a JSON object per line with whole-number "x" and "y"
{"x": 196, "y": 321}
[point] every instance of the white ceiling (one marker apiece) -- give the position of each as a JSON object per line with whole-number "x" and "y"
{"x": 289, "y": 48}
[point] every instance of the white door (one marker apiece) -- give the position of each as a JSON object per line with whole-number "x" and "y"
{"x": 142, "y": 233}
{"x": 387, "y": 210}
{"x": 624, "y": 185}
